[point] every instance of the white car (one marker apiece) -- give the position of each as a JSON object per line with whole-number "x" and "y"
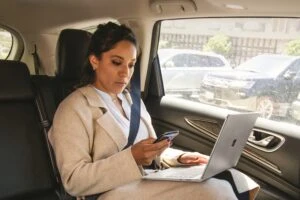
{"x": 183, "y": 69}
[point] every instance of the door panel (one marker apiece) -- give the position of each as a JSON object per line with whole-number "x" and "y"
{"x": 271, "y": 155}
{"x": 276, "y": 171}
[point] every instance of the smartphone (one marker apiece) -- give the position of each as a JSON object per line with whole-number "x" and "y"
{"x": 167, "y": 135}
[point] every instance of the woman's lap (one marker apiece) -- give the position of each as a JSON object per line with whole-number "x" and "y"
{"x": 146, "y": 189}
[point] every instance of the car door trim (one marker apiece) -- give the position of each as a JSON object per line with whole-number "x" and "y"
{"x": 281, "y": 138}
{"x": 247, "y": 153}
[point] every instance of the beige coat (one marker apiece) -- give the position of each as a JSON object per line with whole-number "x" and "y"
{"x": 88, "y": 144}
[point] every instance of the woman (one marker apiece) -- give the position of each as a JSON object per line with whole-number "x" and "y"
{"x": 91, "y": 126}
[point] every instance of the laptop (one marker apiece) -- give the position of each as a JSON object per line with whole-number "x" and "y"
{"x": 226, "y": 152}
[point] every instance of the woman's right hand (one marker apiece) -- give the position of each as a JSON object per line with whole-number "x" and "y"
{"x": 145, "y": 151}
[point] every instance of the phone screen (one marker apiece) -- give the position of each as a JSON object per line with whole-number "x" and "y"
{"x": 167, "y": 135}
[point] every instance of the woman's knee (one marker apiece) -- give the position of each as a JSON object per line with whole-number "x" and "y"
{"x": 219, "y": 189}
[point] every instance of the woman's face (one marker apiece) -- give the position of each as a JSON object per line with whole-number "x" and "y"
{"x": 114, "y": 68}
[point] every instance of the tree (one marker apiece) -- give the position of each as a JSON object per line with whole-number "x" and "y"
{"x": 219, "y": 44}
{"x": 293, "y": 47}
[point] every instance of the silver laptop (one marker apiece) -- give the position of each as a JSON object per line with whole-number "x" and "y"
{"x": 225, "y": 154}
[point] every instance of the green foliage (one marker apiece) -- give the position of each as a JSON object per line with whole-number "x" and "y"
{"x": 293, "y": 47}
{"x": 219, "y": 44}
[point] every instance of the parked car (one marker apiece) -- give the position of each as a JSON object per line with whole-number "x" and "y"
{"x": 183, "y": 69}
{"x": 294, "y": 110}
{"x": 265, "y": 83}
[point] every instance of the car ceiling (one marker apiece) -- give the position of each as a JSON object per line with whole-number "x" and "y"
{"x": 40, "y": 21}
{"x": 53, "y": 15}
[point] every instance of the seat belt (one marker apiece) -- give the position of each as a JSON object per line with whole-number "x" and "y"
{"x": 135, "y": 92}
{"x": 45, "y": 123}
{"x": 36, "y": 61}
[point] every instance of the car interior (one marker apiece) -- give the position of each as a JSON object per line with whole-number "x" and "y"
{"x": 43, "y": 47}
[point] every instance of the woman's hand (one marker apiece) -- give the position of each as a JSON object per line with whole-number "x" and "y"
{"x": 145, "y": 151}
{"x": 193, "y": 158}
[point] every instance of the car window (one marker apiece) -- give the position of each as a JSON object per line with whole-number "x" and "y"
{"x": 6, "y": 42}
{"x": 193, "y": 60}
{"x": 295, "y": 66}
{"x": 197, "y": 60}
{"x": 180, "y": 60}
{"x": 277, "y": 64}
{"x": 215, "y": 62}
{"x": 244, "y": 60}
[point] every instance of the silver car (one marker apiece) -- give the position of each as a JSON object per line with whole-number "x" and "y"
{"x": 183, "y": 69}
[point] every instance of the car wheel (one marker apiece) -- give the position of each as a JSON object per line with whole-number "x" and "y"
{"x": 265, "y": 105}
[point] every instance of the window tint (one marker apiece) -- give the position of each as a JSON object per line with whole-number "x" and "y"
{"x": 234, "y": 63}
{"x": 180, "y": 60}
{"x": 215, "y": 62}
{"x": 295, "y": 66}
{"x": 198, "y": 61}
{"x": 6, "y": 42}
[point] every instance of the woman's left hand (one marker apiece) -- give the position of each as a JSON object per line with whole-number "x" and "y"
{"x": 193, "y": 158}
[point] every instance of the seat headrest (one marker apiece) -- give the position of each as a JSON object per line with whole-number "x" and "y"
{"x": 71, "y": 52}
{"x": 15, "y": 81}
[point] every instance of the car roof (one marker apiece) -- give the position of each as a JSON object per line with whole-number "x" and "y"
{"x": 288, "y": 58}
{"x": 40, "y": 21}
{"x": 53, "y": 15}
{"x": 278, "y": 56}
{"x": 188, "y": 51}
{"x": 258, "y": 63}
{"x": 165, "y": 54}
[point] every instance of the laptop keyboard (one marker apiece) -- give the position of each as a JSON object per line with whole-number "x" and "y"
{"x": 192, "y": 172}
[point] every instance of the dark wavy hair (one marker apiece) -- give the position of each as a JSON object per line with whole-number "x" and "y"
{"x": 104, "y": 39}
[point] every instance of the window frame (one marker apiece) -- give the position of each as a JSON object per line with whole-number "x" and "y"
{"x": 17, "y": 48}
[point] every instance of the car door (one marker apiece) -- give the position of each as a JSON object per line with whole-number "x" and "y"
{"x": 271, "y": 155}
{"x": 181, "y": 65}
{"x": 292, "y": 77}
{"x": 173, "y": 70}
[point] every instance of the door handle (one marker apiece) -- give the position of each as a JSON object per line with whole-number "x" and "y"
{"x": 263, "y": 142}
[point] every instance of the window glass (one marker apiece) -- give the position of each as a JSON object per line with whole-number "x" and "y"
{"x": 180, "y": 60}
{"x": 215, "y": 62}
{"x": 242, "y": 64}
{"x": 197, "y": 60}
{"x": 6, "y": 42}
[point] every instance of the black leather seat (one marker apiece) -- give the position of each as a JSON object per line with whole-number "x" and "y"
{"x": 71, "y": 52}
{"x": 26, "y": 171}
